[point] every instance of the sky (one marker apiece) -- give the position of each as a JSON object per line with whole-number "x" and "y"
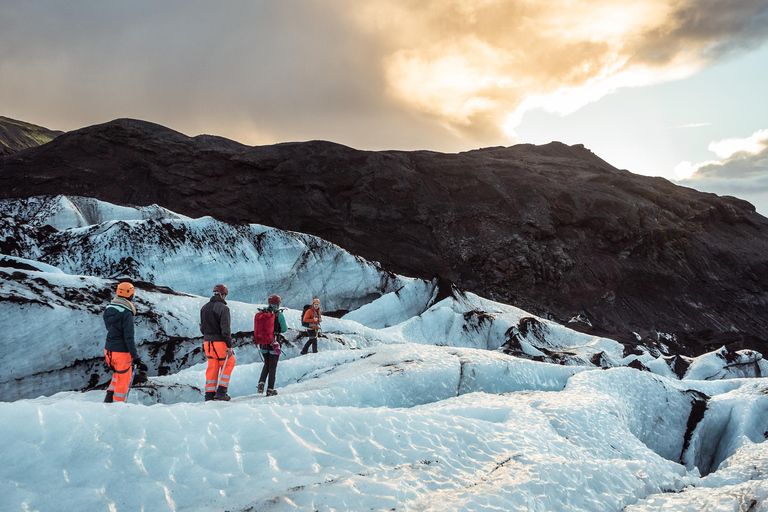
{"x": 672, "y": 88}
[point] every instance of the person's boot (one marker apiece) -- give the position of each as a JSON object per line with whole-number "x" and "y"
{"x": 209, "y": 395}
{"x": 271, "y": 392}
{"x": 221, "y": 394}
{"x": 261, "y": 387}
{"x": 109, "y": 398}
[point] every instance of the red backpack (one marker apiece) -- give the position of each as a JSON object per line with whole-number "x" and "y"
{"x": 264, "y": 327}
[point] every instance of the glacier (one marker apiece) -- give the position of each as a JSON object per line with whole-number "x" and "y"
{"x": 418, "y": 399}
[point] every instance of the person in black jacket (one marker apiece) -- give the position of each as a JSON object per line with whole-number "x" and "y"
{"x": 217, "y": 336}
{"x": 120, "y": 348}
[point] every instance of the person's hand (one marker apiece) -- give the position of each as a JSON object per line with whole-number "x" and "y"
{"x": 139, "y": 364}
{"x": 230, "y": 352}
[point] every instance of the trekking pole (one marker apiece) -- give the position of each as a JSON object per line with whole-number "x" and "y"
{"x": 221, "y": 370}
{"x": 130, "y": 384}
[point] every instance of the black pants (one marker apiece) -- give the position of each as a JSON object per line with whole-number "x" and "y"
{"x": 270, "y": 368}
{"x": 311, "y": 341}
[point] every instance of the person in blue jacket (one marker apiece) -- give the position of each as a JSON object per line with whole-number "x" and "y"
{"x": 120, "y": 348}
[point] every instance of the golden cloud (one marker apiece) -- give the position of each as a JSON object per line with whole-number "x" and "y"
{"x": 478, "y": 65}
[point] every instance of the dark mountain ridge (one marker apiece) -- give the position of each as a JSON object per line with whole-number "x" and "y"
{"x": 552, "y": 229}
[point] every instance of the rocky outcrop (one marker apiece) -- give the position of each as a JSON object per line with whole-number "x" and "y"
{"x": 18, "y": 135}
{"x": 552, "y": 229}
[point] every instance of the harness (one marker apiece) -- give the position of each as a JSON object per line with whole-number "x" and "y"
{"x": 112, "y": 367}
{"x": 213, "y": 347}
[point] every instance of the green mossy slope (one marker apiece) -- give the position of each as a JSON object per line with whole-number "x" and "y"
{"x": 18, "y": 135}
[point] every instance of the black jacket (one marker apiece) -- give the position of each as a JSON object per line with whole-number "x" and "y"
{"x": 119, "y": 322}
{"x": 214, "y": 321}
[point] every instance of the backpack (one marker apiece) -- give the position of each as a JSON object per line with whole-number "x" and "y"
{"x": 264, "y": 327}
{"x": 304, "y": 312}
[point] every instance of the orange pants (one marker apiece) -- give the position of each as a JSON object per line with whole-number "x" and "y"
{"x": 122, "y": 369}
{"x": 216, "y": 352}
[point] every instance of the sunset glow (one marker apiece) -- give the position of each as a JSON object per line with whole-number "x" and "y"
{"x": 479, "y": 66}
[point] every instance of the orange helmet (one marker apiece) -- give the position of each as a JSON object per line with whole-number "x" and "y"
{"x": 124, "y": 290}
{"x": 274, "y": 299}
{"x": 316, "y": 302}
{"x": 220, "y": 289}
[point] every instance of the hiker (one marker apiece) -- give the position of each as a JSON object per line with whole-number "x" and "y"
{"x": 312, "y": 318}
{"x": 120, "y": 348}
{"x": 268, "y": 324}
{"x": 217, "y": 336}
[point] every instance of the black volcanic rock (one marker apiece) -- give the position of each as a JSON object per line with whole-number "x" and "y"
{"x": 552, "y": 229}
{"x": 16, "y": 135}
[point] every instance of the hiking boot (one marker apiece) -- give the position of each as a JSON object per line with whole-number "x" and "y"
{"x": 221, "y": 394}
{"x": 261, "y": 387}
{"x": 271, "y": 392}
{"x": 109, "y": 398}
{"x": 210, "y": 395}
{"x": 303, "y": 352}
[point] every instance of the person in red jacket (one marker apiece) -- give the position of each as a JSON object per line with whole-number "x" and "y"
{"x": 217, "y": 336}
{"x": 313, "y": 317}
{"x": 120, "y": 348}
{"x": 271, "y": 353}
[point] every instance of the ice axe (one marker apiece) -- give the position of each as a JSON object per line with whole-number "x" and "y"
{"x": 221, "y": 370}
{"x": 130, "y": 384}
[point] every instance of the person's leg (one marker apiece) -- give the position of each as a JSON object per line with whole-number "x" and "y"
{"x": 264, "y": 373}
{"x": 311, "y": 342}
{"x": 111, "y": 391}
{"x": 226, "y": 364}
{"x": 212, "y": 372}
{"x": 310, "y": 335}
{"x": 272, "y": 373}
{"x": 121, "y": 380}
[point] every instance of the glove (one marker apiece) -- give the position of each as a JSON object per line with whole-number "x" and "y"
{"x": 139, "y": 364}
{"x": 276, "y": 347}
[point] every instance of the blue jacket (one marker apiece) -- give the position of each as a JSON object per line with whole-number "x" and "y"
{"x": 118, "y": 318}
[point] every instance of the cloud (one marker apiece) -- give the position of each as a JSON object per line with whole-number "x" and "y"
{"x": 742, "y": 170}
{"x": 479, "y": 65}
{"x": 438, "y": 74}
{"x": 752, "y": 145}
{"x": 691, "y": 125}
{"x": 258, "y": 72}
